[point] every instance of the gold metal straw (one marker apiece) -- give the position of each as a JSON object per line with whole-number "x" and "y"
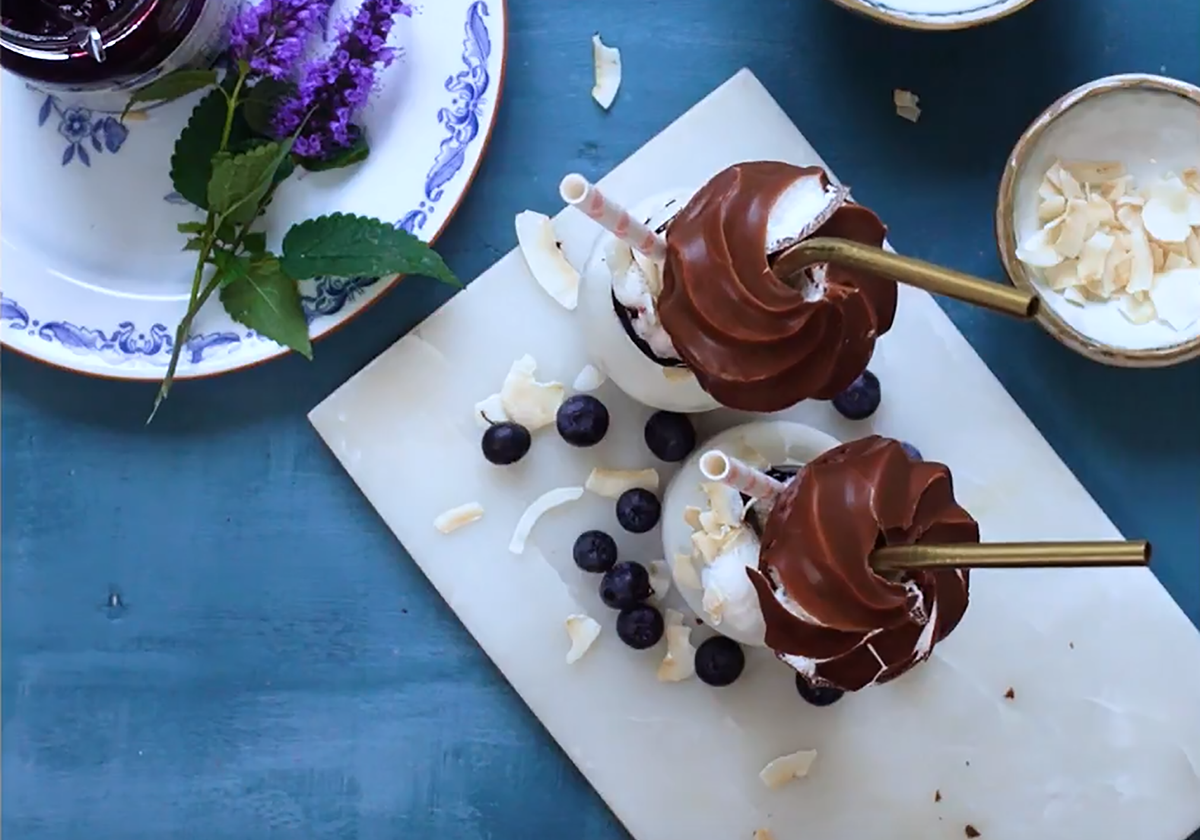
{"x": 1032, "y": 555}
{"x": 913, "y": 272}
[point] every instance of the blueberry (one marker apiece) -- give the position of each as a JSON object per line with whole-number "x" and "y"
{"x": 670, "y": 436}
{"x": 595, "y": 551}
{"x": 817, "y": 695}
{"x": 912, "y": 451}
{"x": 638, "y": 510}
{"x": 625, "y": 585}
{"x": 719, "y": 661}
{"x": 861, "y": 399}
{"x": 640, "y": 626}
{"x": 506, "y": 443}
{"x": 582, "y": 420}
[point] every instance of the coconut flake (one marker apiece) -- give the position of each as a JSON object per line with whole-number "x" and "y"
{"x": 547, "y": 501}
{"x": 1074, "y": 230}
{"x": 650, "y": 272}
{"x": 583, "y": 631}
{"x": 1094, "y": 255}
{"x": 713, "y": 603}
{"x": 1038, "y": 250}
{"x": 612, "y": 483}
{"x": 788, "y": 767}
{"x": 457, "y": 517}
{"x": 724, "y": 502}
{"x": 906, "y": 104}
{"x": 606, "y": 61}
{"x": 660, "y": 579}
{"x": 1141, "y": 269}
{"x": 680, "y": 661}
{"x": 490, "y": 411}
{"x": 1072, "y": 295}
{"x": 1176, "y": 297}
{"x": 1138, "y": 310}
{"x": 1063, "y": 275}
{"x": 1191, "y": 177}
{"x": 1165, "y": 215}
{"x": 707, "y": 545}
{"x": 1095, "y": 171}
{"x": 526, "y": 401}
{"x": 763, "y": 834}
{"x": 589, "y": 379}
{"x": 1193, "y": 248}
{"x": 539, "y": 246}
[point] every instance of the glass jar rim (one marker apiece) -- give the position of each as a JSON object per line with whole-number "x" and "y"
{"x": 111, "y": 30}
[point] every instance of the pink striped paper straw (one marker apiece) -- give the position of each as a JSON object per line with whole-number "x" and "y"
{"x": 581, "y": 194}
{"x": 715, "y": 465}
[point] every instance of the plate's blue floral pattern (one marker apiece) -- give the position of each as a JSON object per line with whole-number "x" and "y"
{"x": 123, "y": 344}
{"x": 324, "y": 297}
{"x": 82, "y": 127}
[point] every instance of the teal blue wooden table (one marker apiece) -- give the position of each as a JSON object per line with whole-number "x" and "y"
{"x": 207, "y": 633}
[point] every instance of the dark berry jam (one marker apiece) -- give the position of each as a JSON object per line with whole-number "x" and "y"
{"x": 106, "y": 44}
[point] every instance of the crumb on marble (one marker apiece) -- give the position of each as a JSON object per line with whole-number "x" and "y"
{"x": 971, "y": 831}
{"x": 937, "y": 796}
{"x": 1010, "y": 694}
{"x": 1071, "y": 645}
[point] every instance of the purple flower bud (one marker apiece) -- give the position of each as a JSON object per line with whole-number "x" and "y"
{"x": 333, "y": 89}
{"x": 271, "y": 35}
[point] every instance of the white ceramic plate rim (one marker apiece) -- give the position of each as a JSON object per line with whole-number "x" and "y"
{"x": 124, "y": 349}
{"x": 971, "y": 13}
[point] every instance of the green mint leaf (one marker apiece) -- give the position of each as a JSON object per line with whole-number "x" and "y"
{"x": 172, "y": 86}
{"x": 286, "y": 167}
{"x": 343, "y": 245}
{"x": 230, "y": 268}
{"x": 356, "y": 152}
{"x": 268, "y": 301}
{"x": 259, "y": 105}
{"x": 198, "y": 143}
{"x": 227, "y": 232}
{"x": 194, "y": 243}
{"x": 191, "y": 227}
{"x": 239, "y": 182}
{"x": 255, "y": 243}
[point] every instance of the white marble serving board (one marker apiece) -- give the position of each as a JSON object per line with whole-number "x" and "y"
{"x": 1102, "y": 737}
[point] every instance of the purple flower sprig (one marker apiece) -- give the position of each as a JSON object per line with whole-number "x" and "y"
{"x": 333, "y": 89}
{"x": 270, "y": 36}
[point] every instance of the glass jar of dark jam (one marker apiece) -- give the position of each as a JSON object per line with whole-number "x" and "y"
{"x": 107, "y": 45}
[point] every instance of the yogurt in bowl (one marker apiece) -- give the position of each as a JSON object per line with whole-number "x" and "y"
{"x": 1099, "y": 213}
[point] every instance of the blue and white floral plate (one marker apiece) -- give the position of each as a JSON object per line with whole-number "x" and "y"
{"x": 92, "y": 277}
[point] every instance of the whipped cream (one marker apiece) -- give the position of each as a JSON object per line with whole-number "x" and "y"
{"x": 636, "y": 284}
{"x": 729, "y": 599}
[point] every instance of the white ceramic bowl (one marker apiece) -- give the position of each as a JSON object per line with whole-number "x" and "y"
{"x": 934, "y": 14}
{"x": 1152, "y": 125}
{"x": 779, "y": 442}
